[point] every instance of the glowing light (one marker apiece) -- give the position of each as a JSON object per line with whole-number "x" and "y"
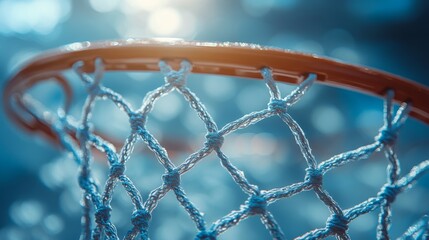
{"x": 77, "y": 46}
{"x": 370, "y": 121}
{"x": 27, "y": 213}
{"x": 53, "y": 224}
{"x": 166, "y": 40}
{"x": 263, "y": 144}
{"x": 132, "y": 6}
{"x": 165, "y": 21}
{"x": 328, "y": 120}
{"x": 56, "y": 174}
{"x": 38, "y": 16}
{"x": 69, "y": 203}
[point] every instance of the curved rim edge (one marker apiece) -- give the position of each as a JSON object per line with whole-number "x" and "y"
{"x": 233, "y": 59}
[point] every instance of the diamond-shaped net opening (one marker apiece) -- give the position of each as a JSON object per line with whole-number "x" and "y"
{"x": 97, "y": 198}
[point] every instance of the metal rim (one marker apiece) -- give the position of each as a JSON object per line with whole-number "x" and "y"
{"x": 234, "y": 59}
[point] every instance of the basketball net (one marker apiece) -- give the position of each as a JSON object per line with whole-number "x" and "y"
{"x": 78, "y": 138}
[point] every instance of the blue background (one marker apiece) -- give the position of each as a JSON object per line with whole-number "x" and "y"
{"x": 391, "y": 35}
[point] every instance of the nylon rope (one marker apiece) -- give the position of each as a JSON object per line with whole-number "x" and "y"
{"x": 96, "y": 199}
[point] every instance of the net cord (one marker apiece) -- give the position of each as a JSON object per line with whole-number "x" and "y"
{"x": 96, "y": 200}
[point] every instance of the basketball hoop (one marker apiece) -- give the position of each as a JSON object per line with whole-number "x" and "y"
{"x": 175, "y": 60}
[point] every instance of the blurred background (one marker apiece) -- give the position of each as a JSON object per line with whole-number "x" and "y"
{"x": 38, "y": 187}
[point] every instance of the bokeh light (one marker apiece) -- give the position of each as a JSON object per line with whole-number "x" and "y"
{"x": 32, "y": 16}
{"x": 132, "y": 6}
{"x": 328, "y": 120}
{"x": 165, "y": 21}
{"x": 104, "y": 6}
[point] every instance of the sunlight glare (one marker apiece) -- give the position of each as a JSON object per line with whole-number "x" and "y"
{"x": 130, "y": 6}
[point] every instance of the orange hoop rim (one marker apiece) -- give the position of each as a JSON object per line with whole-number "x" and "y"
{"x": 232, "y": 59}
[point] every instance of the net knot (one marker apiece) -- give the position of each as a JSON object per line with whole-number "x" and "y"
{"x": 214, "y": 140}
{"x": 95, "y": 89}
{"x": 86, "y": 183}
{"x": 137, "y": 121}
{"x": 177, "y": 79}
{"x": 278, "y": 105}
{"x": 102, "y": 215}
{"x": 141, "y": 218}
{"x": 83, "y": 131}
{"x": 204, "y": 235}
{"x": 314, "y": 176}
{"x": 171, "y": 179}
{"x": 389, "y": 192}
{"x": 257, "y": 204}
{"x": 117, "y": 170}
{"x": 337, "y": 223}
{"x": 386, "y": 136}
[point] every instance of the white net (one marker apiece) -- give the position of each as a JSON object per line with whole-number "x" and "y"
{"x": 96, "y": 200}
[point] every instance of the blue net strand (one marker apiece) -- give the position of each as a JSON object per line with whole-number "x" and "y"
{"x": 388, "y": 136}
{"x": 237, "y": 175}
{"x": 230, "y": 220}
{"x": 190, "y": 162}
{"x": 96, "y": 217}
{"x": 274, "y": 91}
{"x": 156, "y": 148}
{"x": 202, "y": 113}
{"x": 203, "y": 235}
{"x": 246, "y": 120}
{"x": 272, "y": 226}
{"x": 194, "y": 213}
{"x": 86, "y": 217}
{"x": 299, "y": 92}
{"x": 420, "y": 230}
{"x": 285, "y": 192}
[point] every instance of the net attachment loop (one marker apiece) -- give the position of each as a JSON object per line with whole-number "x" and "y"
{"x": 176, "y": 78}
{"x": 237, "y": 59}
{"x": 388, "y": 133}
